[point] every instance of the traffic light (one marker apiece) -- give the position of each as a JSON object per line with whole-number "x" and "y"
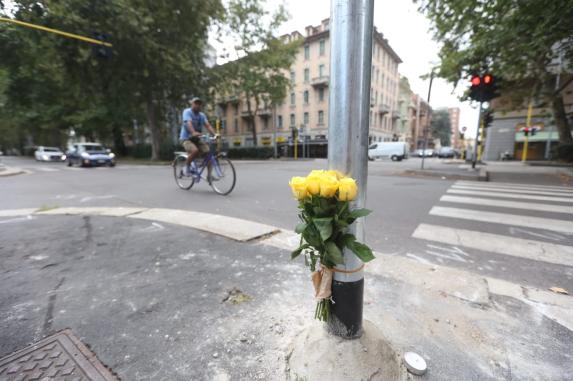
{"x": 526, "y": 131}
{"x": 487, "y": 118}
{"x": 483, "y": 88}
{"x": 533, "y": 131}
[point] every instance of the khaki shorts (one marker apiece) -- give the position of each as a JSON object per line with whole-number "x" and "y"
{"x": 200, "y": 146}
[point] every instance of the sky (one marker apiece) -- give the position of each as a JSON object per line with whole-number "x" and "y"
{"x": 408, "y": 33}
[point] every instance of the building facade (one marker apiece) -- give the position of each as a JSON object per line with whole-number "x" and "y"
{"x": 505, "y": 135}
{"x": 305, "y": 107}
{"x": 420, "y": 114}
{"x": 454, "y": 113}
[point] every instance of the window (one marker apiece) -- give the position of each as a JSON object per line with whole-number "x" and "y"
{"x": 306, "y": 52}
{"x": 320, "y": 70}
{"x": 292, "y": 99}
{"x": 306, "y": 75}
{"x": 305, "y": 120}
{"x": 236, "y": 109}
{"x": 280, "y": 121}
{"x": 321, "y": 94}
{"x": 321, "y": 47}
{"x": 305, "y": 97}
{"x": 292, "y": 120}
{"x": 292, "y": 76}
{"x": 236, "y": 125}
{"x": 321, "y": 117}
{"x": 265, "y": 123}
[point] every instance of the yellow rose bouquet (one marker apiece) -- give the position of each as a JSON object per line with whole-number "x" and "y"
{"x": 324, "y": 210}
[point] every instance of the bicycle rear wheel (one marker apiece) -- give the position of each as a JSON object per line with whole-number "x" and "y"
{"x": 179, "y": 166}
{"x": 224, "y": 178}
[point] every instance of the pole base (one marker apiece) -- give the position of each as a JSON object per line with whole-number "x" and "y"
{"x": 346, "y": 311}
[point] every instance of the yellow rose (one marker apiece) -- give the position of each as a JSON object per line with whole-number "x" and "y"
{"x": 313, "y": 185}
{"x": 328, "y": 186}
{"x": 316, "y": 173}
{"x": 298, "y": 187}
{"x": 336, "y": 174}
{"x": 347, "y": 189}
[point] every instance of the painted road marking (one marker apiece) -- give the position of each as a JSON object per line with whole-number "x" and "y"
{"x": 510, "y": 195}
{"x": 508, "y": 204}
{"x": 504, "y": 219}
{"x": 494, "y": 243}
{"x": 517, "y": 186}
{"x": 507, "y": 190}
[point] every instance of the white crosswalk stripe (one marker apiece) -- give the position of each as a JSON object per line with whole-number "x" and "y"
{"x": 507, "y": 190}
{"x": 515, "y": 186}
{"x": 507, "y": 205}
{"x": 510, "y": 195}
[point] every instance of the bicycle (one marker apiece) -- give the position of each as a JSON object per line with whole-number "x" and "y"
{"x": 223, "y": 176}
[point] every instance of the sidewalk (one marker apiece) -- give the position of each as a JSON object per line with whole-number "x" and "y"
{"x": 157, "y": 300}
{"x": 10, "y": 171}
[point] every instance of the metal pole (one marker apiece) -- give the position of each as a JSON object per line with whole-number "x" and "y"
{"x": 474, "y": 158}
{"x": 351, "y": 32}
{"x": 276, "y": 151}
{"x": 427, "y": 118}
{"x": 527, "y": 125}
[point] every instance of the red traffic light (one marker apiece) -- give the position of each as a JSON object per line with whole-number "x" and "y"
{"x": 487, "y": 79}
{"x": 476, "y": 80}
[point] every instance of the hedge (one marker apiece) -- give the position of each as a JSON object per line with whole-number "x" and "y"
{"x": 563, "y": 152}
{"x": 251, "y": 153}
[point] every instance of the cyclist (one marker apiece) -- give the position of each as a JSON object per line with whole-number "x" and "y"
{"x": 194, "y": 121}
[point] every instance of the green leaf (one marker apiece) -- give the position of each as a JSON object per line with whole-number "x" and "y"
{"x": 312, "y": 236}
{"x": 300, "y": 228}
{"x": 357, "y": 213}
{"x": 324, "y": 226}
{"x": 347, "y": 240}
{"x": 299, "y": 250}
{"x": 333, "y": 252}
{"x": 362, "y": 251}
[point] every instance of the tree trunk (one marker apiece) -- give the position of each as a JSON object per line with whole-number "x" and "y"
{"x": 561, "y": 119}
{"x": 154, "y": 128}
{"x": 252, "y": 121}
{"x": 118, "y": 143}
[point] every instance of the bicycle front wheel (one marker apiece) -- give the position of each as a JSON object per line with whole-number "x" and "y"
{"x": 223, "y": 176}
{"x": 179, "y": 166}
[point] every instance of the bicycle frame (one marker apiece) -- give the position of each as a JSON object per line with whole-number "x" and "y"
{"x": 210, "y": 158}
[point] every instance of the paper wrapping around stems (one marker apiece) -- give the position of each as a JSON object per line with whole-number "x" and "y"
{"x": 322, "y": 282}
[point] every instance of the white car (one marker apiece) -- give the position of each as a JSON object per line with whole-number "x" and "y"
{"x": 396, "y": 151}
{"x": 49, "y": 154}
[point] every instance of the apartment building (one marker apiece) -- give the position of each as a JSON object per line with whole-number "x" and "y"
{"x": 454, "y": 113}
{"x": 305, "y": 107}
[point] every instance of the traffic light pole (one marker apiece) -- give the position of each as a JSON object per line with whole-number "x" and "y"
{"x": 527, "y": 125}
{"x": 427, "y": 119}
{"x": 351, "y": 31}
{"x": 474, "y": 158}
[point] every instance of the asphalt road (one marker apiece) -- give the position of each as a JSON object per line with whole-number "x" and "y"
{"x": 400, "y": 205}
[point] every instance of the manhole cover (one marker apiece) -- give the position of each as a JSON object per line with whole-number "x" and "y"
{"x": 59, "y": 357}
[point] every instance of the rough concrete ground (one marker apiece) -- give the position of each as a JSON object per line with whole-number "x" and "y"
{"x": 148, "y": 298}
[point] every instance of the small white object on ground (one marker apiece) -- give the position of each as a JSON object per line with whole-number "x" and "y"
{"x": 415, "y": 363}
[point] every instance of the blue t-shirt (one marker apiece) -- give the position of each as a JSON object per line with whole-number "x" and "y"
{"x": 198, "y": 120}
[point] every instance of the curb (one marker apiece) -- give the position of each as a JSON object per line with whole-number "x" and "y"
{"x": 482, "y": 175}
{"x": 468, "y": 287}
{"x": 11, "y": 171}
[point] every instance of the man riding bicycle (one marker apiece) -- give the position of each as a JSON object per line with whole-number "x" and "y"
{"x": 191, "y": 130}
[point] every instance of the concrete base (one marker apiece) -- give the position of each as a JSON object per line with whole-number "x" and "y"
{"x": 317, "y": 355}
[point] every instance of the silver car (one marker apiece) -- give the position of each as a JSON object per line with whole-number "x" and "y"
{"x": 49, "y": 154}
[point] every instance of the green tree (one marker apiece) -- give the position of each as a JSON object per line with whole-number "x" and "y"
{"x": 440, "y": 126}
{"x": 157, "y": 57}
{"x": 518, "y": 40}
{"x": 258, "y": 75}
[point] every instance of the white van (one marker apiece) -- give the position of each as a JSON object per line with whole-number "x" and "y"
{"x": 394, "y": 150}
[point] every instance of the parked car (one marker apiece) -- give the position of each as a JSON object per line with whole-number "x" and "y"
{"x": 49, "y": 154}
{"x": 429, "y": 152}
{"x": 446, "y": 152}
{"x": 90, "y": 155}
{"x": 397, "y": 151}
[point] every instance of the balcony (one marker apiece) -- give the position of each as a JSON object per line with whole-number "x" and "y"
{"x": 223, "y": 101}
{"x": 321, "y": 81}
{"x": 395, "y": 115}
{"x": 383, "y": 109}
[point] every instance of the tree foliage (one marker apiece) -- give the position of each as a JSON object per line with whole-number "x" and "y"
{"x": 518, "y": 40}
{"x": 441, "y": 126}
{"x": 258, "y": 73}
{"x": 56, "y": 83}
